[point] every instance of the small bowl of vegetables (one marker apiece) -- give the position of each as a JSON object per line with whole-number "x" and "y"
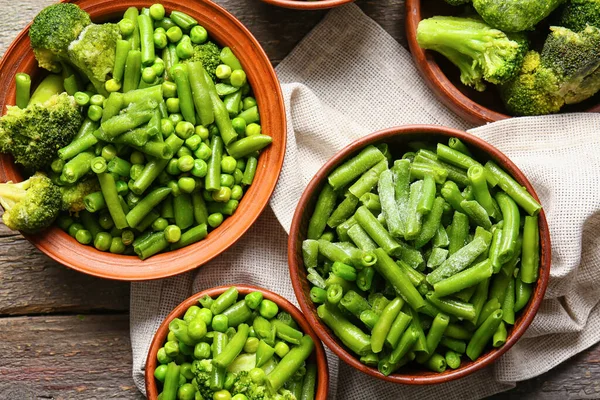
{"x": 240, "y": 342}
{"x": 419, "y": 254}
{"x": 152, "y": 134}
{"x": 489, "y": 60}
{"x": 308, "y": 4}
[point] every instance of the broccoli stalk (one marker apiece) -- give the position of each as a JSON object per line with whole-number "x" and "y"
{"x": 31, "y": 205}
{"x": 476, "y": 48}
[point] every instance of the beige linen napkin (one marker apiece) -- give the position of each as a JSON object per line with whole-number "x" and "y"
{"x": 348, "y": 78}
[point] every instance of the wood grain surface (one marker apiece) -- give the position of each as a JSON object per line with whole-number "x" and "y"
{"x": 64, "y": 335}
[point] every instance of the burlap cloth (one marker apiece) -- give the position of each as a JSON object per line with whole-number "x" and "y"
{"x": 348, "y": 78}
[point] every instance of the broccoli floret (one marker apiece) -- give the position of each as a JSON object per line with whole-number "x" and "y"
{"x": 93, "y": 53}
{"x": 72, "y": 195}
{"x": 53, "y": 29}
{"x": 457, "y": 2}
{"x": 34, "y": 134}
{"x": 574, "y": 58}
{"x": 515, "y": 15}
{"x": 577, "y": 14}
{"x": 533, "y": 90}
{"x": 202, "y": 370}
{"x": 31, "y": 205}
{"x": 476, "y": 48}
{"x": 209, "y": 55}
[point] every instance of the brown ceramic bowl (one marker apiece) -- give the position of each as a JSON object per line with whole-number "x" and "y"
{"x": 397, "y": 138}
{"x": 444, "y": 78}
{"x": 160, "y": 336}
{"x": 308, "y": 4}
{"x": 225, "y": 30}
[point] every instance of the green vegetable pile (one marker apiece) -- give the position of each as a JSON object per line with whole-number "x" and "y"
{"x": 426, "y": 260}
{"x": 495, "y": 43}
{"x": 225, "y": 349}
{"x": 128, "y": 151}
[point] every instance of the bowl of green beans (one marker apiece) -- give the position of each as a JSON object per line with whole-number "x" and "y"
{"x": 308, "y": 4}
{"x": 419, "y": 254}
{"x": 236, "y": 343}
{"x": 179, "y": 150}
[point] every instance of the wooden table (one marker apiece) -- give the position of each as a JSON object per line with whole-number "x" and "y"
{"x": 65, "y": 335}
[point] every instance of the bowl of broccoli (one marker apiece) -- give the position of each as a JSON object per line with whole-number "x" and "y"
{"x": 138, "y": 140}
{"x": 489, "y": 60}
{"x": 262, "y": 348}
{"x": 308, "y": 4}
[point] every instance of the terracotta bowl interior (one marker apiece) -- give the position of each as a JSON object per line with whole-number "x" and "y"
{"x": 308, "y": 4}
{"x": 444, "y": 78}
{"x": 225, "y": 30}
{"x": 398, "y": 138}
{"x": 160, "y": 336}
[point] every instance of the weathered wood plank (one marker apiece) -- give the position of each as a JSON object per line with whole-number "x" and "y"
{"x": 33, "y": 283}
{"x": 66, "y": 357}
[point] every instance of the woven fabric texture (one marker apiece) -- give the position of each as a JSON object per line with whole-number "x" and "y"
{"x": 345, "y": 80}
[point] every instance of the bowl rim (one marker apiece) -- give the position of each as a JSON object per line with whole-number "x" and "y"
{"x": 444, "y": 89}
{"x": 90, "y": 261}
{"x": 285, "y": 305}
{"x": 298, "y": 272}
{"x": 308, "y": 5}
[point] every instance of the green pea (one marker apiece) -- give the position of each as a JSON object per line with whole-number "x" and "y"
{"x": 198, "y": 34}
{"x": 126, "y": 26}
{"x": 94, "y": 113}
{"x": 137, "y": 157}
{"x": 268, "y": 309}
{"x": 251, "y": 345}
{"x": 148, "y": 75}
{"x": 184, "y": 151}
{"x": 157, "y": 11}
{"x": 172, "y": 349}
{"x": 223, "y": 71}
{"x": 105, "y": 220}
{"x": 203, "y": 152}
{"x": 172, "y": 233}
{"x": 185, "y": 163}
{"x": 281, "y": 349}
{"x": 187, "y": 391}
{"x": 222, "y": 395}
{"x": 240, "y": 396}
{"x": 162, "y": 357}
{"x": 159, "y": 68}
{"x": 238, "y": 78}
{"x": 257, "y": 375}
{"x": 174, "y": 34}
{"x": 239, "y": 124}
{"x": 160, "y": 29}
{"x": 166, "y": 127}
{"x": 200, "y": 168}
{"x": 222, "y": 195}
{"x": 160, "y": 224}
{"x": 102, "y": 241}
{"x": 97, "y": 100}
{"x": 109, "y": 152}
{"x": 228, "y": 164}
{"x": 248, "y": 103}
{"x": 136, "y": 171}
{"x": 202, "y": 132}
{"x": 227, "y": 180}
{"x": 253, "y": 300}
{"x": 186, "y": 184}
{"x": 169, "y": 89}
{"x": 216, "y": 219}
{"x": 184, "y": 48}
{"x": 174, "y": 186}
{"x": 172, "y": 105}
{"x": 112, "y": 85}
{"x": 160, "y": 40}
{"x": 160, "y": 372}
{"x": 253, "y": 129}
{"x": 173, "y": 167}
{"x": 186, "y": 370}
{"x": 171, "y": 337}
{"x": 197, "y": 329}
{"x": 207, "y": 196}
{"x": 193, "y": 142}
{"x": 83, "y": 236}
{"x": 220, "y": 322}
{"x": 176, "y": 118}
{"x": 202, "y": 351}
{"x": 184, "y": 129}
{"x": 238, "y": 176}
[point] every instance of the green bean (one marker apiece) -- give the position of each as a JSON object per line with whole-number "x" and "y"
{"x": 77, "y": 146}
{"x": 364, "y": 280}
{"x": 356, "y": 166}
{"x": 454, "y": 344}
{"x": 513, "y": 189}
{"x": 455, "y": 157}
{"x": 389, "y": 207}
{"x": 229, "y": 59}
{"x": 452, "y": 359}
{"x": 368, "y": 180}
{"x": 310, "y": 382}
{"x": 109, "y": 190}
{"x": 384, "y": 323}
{"x": 233, "y": 348}
{"x": 184, "y": 211}
{"x": 77, "y": 167}
{"x": 459, "y": 260}
{"x": 458, "y": 232}
{"x": 458, "y": 332}
{"x": 248, "y": 145}
{"x": 23, "y": 89}
{"x": 434, "y": 335}
{"x": 221, "y": 115}
{"x": 453, "y": 173}
{"x": 421, "y": 343}
{"x": 145, "y": 26}
{"x": 191, "y": 236}
{"x": 480, "y": 297}
{"x": 418, "y": 171}
{"x": 415, "y": 276}
{"x": 250, "y": 115}
{"x": 530, "y": 253}
{"x": 94, "y": 202}
{"x": 437, "y": 257}
{"x": 397, "y": 329}
{"x": 452, "y": 195}
{"x": 500, "y": 336}
{"x": 398, "y": 279}
{"x": 213, "y": 176}
{"x": 464, "y": 279}
{"x": 132, "y": 72}
{"x": 375, "y": 230}
{"x": 183, "y": 20}
{"x": 510, "y": 230}
{"x": 361, "y": 238}
{"x": 290, "y": 363}
{"x": 200, "y": 92}
{"x": 217, "y": 378}
{"x": 427, "y": 197}
{"x": 238, "y": 313}
{"x": 371, "y": 201}
{"x": 477, "y": 213}
{"x": 456, "y": 144}
{"x": 431, "y": 224}
{"x": 147, "y": 221}
{"x": 122, "y": 49}
{"x": 454, "y": 307}
{"x": 490, "y": 306}
{"x": 508, "y": 305}
{"x": 355, "y": 339}
{"x": 171, "y": 382}
{"x": 523, "y": 293}
{"x": 476, "y": 174}
{"x": 323, "y": 208}
{"x": 414, "y": 217}
{"x": 151, "y": 200}
{"x": 495, "y": 246}
{"x": 154, "y": 244}
{"x": 483, "y": 335}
